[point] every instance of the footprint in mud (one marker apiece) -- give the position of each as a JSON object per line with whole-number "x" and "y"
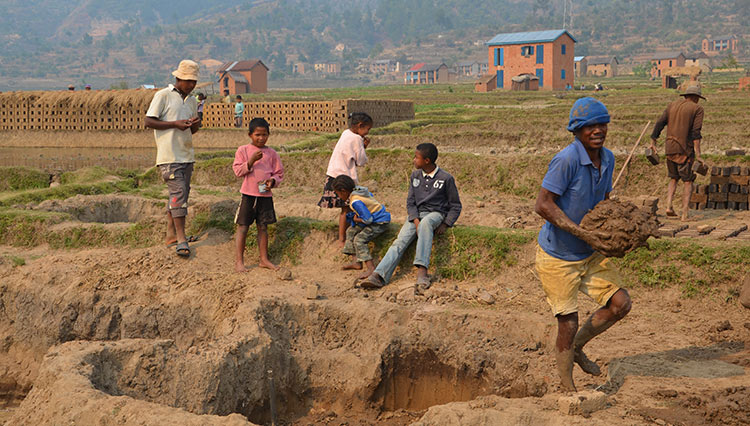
{"x": 687, "y": 362}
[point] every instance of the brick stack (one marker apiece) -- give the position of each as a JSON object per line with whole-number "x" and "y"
{"x": 322, "y": 116}
{"x": 729, "y": 190}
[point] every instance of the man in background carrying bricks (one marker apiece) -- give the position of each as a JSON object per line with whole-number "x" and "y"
{"x": 684, "y": 120}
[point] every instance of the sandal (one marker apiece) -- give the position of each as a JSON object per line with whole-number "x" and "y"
{"x": 423, "y": 283}
{"x": 183, "y": 250}
{"x": 373, "y": 282}
{"x": 190, "y": 239}
{"x": 671, "y": 213}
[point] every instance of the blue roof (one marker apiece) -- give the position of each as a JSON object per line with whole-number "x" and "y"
{"x": 528, "y": 37}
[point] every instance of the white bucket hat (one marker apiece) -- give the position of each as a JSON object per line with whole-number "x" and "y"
{"x": 187, "y": 70}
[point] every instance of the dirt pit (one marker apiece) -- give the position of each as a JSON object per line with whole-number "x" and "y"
{"x": 105, "y": 208}
{"x": 627, "y": 226}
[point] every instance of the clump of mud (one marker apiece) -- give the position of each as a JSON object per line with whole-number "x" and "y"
{"x": 627, "y": 226}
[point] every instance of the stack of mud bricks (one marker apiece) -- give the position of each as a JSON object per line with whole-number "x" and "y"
{"x": 322, "y": 116}
{"x": 37, "y": 115}
{"x": 14, "y": 115}
{"x": 729, "y": 190}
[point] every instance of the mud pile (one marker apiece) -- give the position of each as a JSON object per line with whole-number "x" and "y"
{"x": 627, "y": 226}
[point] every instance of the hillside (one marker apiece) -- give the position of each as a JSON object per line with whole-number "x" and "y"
{"x": 50, "y": 43}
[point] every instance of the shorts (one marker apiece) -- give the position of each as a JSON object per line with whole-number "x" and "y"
{"x": 562, "y": 280}
{"x": 177, "y": 177}
{"x": 682, "y": 171}
{"x": 252, "y": 209}
{"x": 329, "y": 199}
{"x": 238, "y": 121}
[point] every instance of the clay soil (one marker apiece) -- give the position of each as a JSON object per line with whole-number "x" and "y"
{"x": 139, "y": 336}
{"x": 626, "y": 226}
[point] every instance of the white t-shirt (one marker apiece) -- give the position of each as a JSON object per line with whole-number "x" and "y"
{"x": 173, "y": 145}
{"x": 348, "y": 154}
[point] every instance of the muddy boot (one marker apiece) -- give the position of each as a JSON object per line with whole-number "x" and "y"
{"x": 586, "y": 333}
{"x": 565, "y": 368}
{"x": 745, "y": 293}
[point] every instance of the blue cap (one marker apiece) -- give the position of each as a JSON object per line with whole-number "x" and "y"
{"x": 586, "y": 112}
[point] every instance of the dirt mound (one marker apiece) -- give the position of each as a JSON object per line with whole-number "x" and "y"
{"x": 627, "y": 226}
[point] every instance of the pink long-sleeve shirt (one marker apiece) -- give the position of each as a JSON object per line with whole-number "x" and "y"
{"x": 268, "y": 167}
{"x": 348, "y": 154}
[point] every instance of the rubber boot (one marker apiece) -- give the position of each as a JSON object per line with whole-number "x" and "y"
{"x": 565, "y": 368}
{"x": 583, "y": 336}
{"x": 745, "y": 293}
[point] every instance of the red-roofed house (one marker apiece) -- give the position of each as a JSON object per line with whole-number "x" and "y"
{"x": 422, "y": 73}
{"x": 238, "y": 77}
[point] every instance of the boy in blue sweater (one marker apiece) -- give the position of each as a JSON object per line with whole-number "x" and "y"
{"x": 433, "y": 205}
{"x": 367, "y": 220}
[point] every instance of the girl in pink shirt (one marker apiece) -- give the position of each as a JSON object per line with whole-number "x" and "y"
{"x": 260, "y": 168}
{"x": 348, "y": 154}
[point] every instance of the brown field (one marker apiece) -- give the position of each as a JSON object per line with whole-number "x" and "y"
{"x": 101, "y": 319}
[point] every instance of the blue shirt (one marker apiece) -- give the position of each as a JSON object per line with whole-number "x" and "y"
{"x": 580, "y": 186}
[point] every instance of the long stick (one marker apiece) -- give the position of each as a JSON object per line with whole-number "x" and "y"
{"x": 624, "y": 166}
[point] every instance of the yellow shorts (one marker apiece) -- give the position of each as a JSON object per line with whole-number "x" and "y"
{"x": 562, "y": 280}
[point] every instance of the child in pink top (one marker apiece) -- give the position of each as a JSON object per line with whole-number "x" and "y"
{"x": 260, "y": 168}
{"x": 348, "y": 154}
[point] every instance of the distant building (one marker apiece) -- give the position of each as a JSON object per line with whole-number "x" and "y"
{"x": 602, "y": 66}
{"x": 327, "y": 68}
{"x": 698, "y": 59}
{"x": 665, "y": 60}
{"x": 720, "y": 44}
{"x": 423, "y": 73}
{"x": 298, "y": 68}
{"x": 250, "y": 76}
{"x": 486, "y": 83}
{"x": 385, "y": 66}
{"x": 580, "y": 65}
{"x": 469, "y": 69}
{"x": 545, "y": 54}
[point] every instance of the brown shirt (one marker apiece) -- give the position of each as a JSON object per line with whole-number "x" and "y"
{"x": 684, "y": 119}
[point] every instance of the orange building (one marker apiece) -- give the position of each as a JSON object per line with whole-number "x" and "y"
{"x": 719, "y": 44}
{"x": 545, "y": 54}
{"x": 238, "y": 77}
{"x": 666, "y": 60}
{"x": 602, "y": 66}
{"x": 486, "y": 84}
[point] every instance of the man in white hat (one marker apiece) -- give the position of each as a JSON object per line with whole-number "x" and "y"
{"x": 684, "y": 120}
{"x": 174, "y": 117}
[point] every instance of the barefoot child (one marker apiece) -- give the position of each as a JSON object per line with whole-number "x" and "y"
{"x": 348, "y": 154}
{"x": 570, "y": 259}
{"x": 368, "y": 220}
{"x": 260, "y": 168}
{"x": 432, "y": 206}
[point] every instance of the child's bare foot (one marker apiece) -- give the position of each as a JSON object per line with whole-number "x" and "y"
{"x": 366, "y": 273}
{"x": 352, "y": 266}
{"x": 240, "y": 267}
{"x": 268, "y": 265}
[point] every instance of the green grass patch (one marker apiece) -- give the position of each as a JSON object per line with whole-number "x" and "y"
{"x": 66, "y": 191}
{"x": 696, "y": 269}
{"x": 17, "y": 261}
{"x": 85, "y": 175}
{"x": 21, "y": 178}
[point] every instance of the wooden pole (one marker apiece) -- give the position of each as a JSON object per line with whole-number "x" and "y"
{"x": 624, "y": 166}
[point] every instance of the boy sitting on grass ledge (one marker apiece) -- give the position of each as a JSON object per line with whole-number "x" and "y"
{"x": 433, "y": 205}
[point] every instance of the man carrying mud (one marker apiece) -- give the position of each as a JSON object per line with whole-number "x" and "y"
{"x": 570, "y": 259}
{"x": 174, "y": 117}
{"x": 684, "y": 119}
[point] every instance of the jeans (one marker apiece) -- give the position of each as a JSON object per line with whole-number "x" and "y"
{"x": 428, "y": 222}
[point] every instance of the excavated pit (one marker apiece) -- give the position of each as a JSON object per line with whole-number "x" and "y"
{"x": 105, "y": 208}
{"x": 323, "y": 357}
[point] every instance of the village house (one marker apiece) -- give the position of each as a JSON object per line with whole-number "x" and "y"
{"x": 545, "y": 54}
{"x": 299, "y": 68}
{"x": 250, "y": 76}
{"x": 580, "y": 65}
{"x": 602, "y": 66}
{"x": 716, "y": 45}
{"x": 698, "y": 59}
{"x": 385, "y": 66}
{"x": 327, "y": 68}
{"x": 664, "y": 61}
{"x": 423, "y": 73}
{"x": 471, "y": 69}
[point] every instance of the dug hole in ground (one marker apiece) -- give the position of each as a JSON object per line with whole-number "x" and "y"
{"x": 138, "y": 336}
